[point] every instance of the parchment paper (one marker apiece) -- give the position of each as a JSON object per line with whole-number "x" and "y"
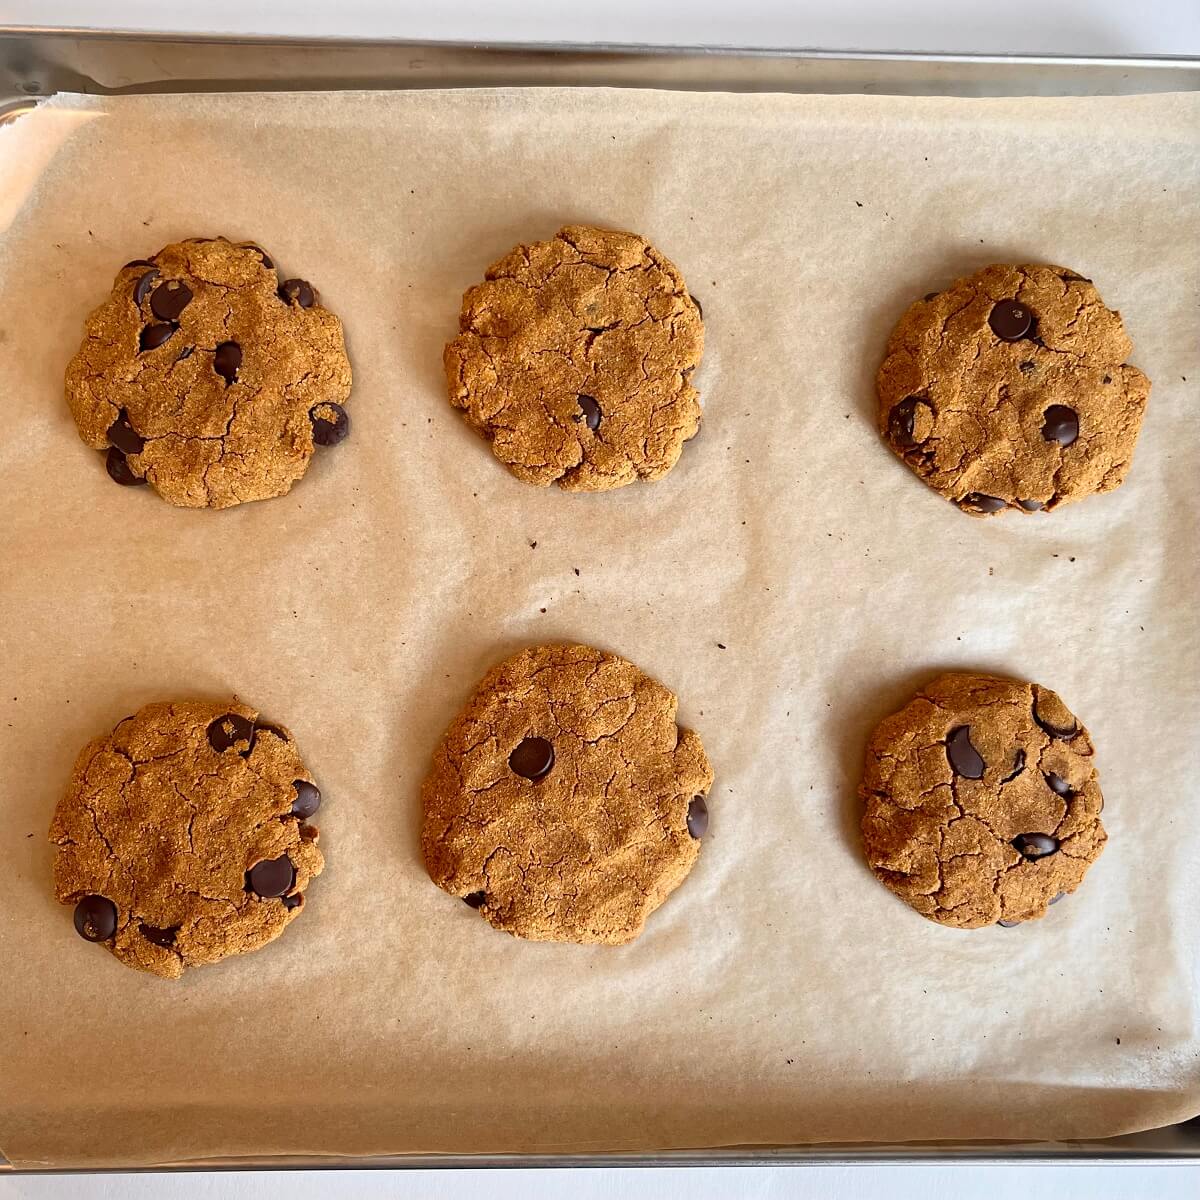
{"x": 790, "y": 580}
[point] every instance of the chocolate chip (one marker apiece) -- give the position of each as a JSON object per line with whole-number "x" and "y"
{"x": 160, "y": 937}
{"x": 123, "y": 435}
{"x": 1035, "y": 845}
{"x": 475, "y": 899}
{"x": 308, "y": 798}
{"x": 298, "y": 291}
{"x": 589, "y": 411}
{"x": 225, "y": 732}
{"x": 1106, "y": 379}
{"x": 170, "y": 299}
{"x": 186, "y": 352}
{"x": 533, "y": 758}
{"x": 119, "y": 470}
{"x": 902, "y": 418}
{"x": 266, "y": 258}
{"x": 697, "y": 817}
{"x": 699, "y": 306}
{"x": 154, "y": 336}
{"x": 1059, "y": 786}
{"x": 1010, "y": 320}
{"x": 143, "y": 285}
{"x": 95, "y": 918}
{"x": 227, "y": 360}
{"x": 272, "y": 877}
{"x": 979, "y": 502}
{"x": 964, "y": 758}
{"x": 1049, "y": 723}
{"x": 273, "y": 730}
{"x": 1008, "y": 924}
{"x": 931, "y": 296}
{"x": 330, "y": 424}
{"x": 290, "y": 902}
{"x": 1071, "y": 277}
{"x": 1026, "y": 367}
{"x": 138, "y": 262}
{"x": 1062, "y": 424}
{"x": 1018, "y": 767}
{"x": 1031, "y": 505}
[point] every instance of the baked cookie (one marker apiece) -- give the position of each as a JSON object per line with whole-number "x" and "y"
{"x": 183, "y": 836}
{"x": 982, "y": 801}
{"x": 1010, "y": 390}
{"x": 574, "y": 360}
{"x": 564, "y": 803}
{"x": 207, "y": 378}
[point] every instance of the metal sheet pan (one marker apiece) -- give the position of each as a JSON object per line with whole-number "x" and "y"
{"x": 36, "y": 63}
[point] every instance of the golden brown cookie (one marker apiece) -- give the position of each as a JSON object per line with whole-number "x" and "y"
{"x": 574, "y": 360}
{"x": 1010, "y": 390}
{"x": 183, "y": 836}
{"x": 207, "y": 378}
{"x": 564, "y": 802}
{"x": 982, "y": 801}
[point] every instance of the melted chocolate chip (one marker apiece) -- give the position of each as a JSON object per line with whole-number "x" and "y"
{"x": 290, "y": 902}
{"x": 271, "y": 878}
{"x": 154, "y": 336}
{"x": 1059, "y": 786}
{"x": 902, "y": 418}
{"x": 964, "y": 758}
{"x": 931, "y": 296}
{"x": 979, "y": 502}
{"x": 225, "y": 732}
{"x": 266, "y": 258}
{"x": 95, "y": 918}
{"x": 123, "y": 435}
{"x": 308, "y": 798}
{"x": 143, "y": 285}
{"x": 169, "y": 299}
{"x": 1018, "y": 767}
{"x": 186, "y": 352}
{"x": 1061, "y": 732}
{"x": 475, "y": 899}
{"x": 298, "y": 291}
{"x": 119, "y": 470}
{"x": 533, "y": 758}
{"x": 226, "y": 361}
{"x": 1031, "y": 505}
{"x": 1010, "y": 320}
{"x": 1061, "y": 425}
{"x": 589, "y": 411}
{"x": 1035, "y": 845}
{"x": 330, "y": 424}
{"x": 697, "y": 817}
{"x": 160, "y": 937}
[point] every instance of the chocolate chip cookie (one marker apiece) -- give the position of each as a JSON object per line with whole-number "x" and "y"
{"x": 207, "y": 378}
{"x": 982, "y": 801}
{"x": 564, "y": 802}
{"x": 1010, "y": 390}
{"x": 185, "y": 837}
{"x": 574, "y": 360}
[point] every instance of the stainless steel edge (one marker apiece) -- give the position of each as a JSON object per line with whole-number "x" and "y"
{"x": 36, "y": 63}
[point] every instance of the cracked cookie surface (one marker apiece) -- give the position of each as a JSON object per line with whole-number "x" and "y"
{"x": 564, "y": 802}
{"x": 1010, "y": 390}
{"x": 574, "y": 357}
{"x": 207, "y": 378}
{"x": 183, "y": 836}
{"x": 982, "y": 801}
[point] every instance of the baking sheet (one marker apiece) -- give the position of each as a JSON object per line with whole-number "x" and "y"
{"x": 790, "y": 580}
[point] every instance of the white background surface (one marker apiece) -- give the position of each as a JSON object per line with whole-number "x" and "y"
{"x": 1086, "y": 27}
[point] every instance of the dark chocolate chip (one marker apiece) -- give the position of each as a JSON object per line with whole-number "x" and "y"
{"x": 475, "y": 899}
{"x": 699, "y": 306}
{"x": 327, "y": 431}
{"x": 169, "y": 299}
{"x": 143, "y": 285}
{"x": 154, "y": 336}
{"x": 1071, "y": 277}
{"x": 119, "y": 470}
{"x": 589, "y": 411}
{"x": 1062, "y": 732}
{"x": 931, "y": 296}
{"x": 1035, "y": 845}
{"x": 1058, "y": 785}
{"x": 901, "y": 420}
{"x": 533, "y": 758}
{"x": 272, "y": 877}
{"x": 266, "y": 258}
{"x": 95, "y": 918}
{"x": 298, "y": 291}
{"x": 1031, "y": 505}
{"x": 123, "y": 435}
{"x": 697, "y": 817}
{"x": 1010, "y": 320}
{"x": 273, "y": 730}
{"x": 1018, "y": 767}
{"x": 138, "y": 262}
{"x": 979, "y": 502}
{"x": 964, "y": 758}
{"x": 308, "y": 798}
{"x": 225, "y": 732}
{"x": 1008, "y": 924}
{"x": 1062, "y": 424}
{"x": 1026, "y": 367}
{"x": 290, "y": 902}
{"x": 186, "y": 352}
{"x": 160, "y": 937}
{"x": 227, "y": 360}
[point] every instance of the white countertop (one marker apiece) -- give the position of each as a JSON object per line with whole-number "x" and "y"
{"x": 1084, "y": 27}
